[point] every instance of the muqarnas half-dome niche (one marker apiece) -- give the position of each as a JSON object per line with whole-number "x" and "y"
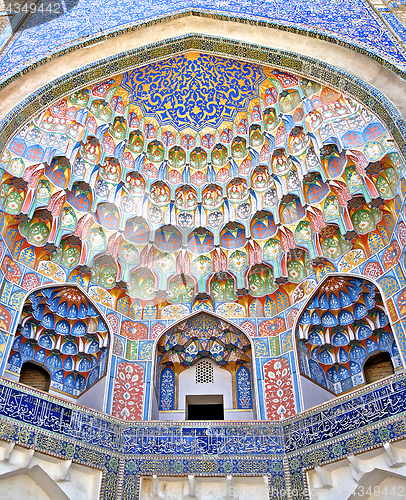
{"x": 199, "y": 175}
{"x": 342, "y": 326}
{"x": 62, "y": 331}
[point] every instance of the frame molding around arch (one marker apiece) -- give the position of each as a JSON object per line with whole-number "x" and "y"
{"x": 282, "y": 58}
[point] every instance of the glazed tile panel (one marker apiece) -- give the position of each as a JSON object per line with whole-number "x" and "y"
{"x": 356, "y": 423}
{"x": 63, "y": 420}
{"x": 203, "y": 439}
{"x": 351, "y": 414}
{"x": 144, "y": 439}
{"x": 354, "y": 23}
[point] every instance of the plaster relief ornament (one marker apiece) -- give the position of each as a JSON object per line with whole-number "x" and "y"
{"x": 134, "y": 184}
{"x": 271, "y": 120}
{"x": 202, "y": 265}
{"x": 97, "y": 242}
{"x": 270, "y": 198}
{"x": 280, "y": 163}
{"x": 66, "y": 255}
{"x": 160, "y": 193}
{"x": 239, "y": 148}
{"x": 237, "y": 190}
{"x": 332, "y": 242}
{"x": 223, "y": 175}
{"x": 365, "y": 219}
{"x": 176, "y": 158}
{"x": 261, "y": 280}
{"x": 303, "y": 232}
{"x": 136, "y": 141}
{"x": 212, "y": 197}
{"x": 180, "y": 291}
{"x": 298, "y": 141}
{"x": 293, "y": 180}
{"x": 102, "y": 188}
{"x": 185, "y": 220}
{"x": 155, "y": 152}
{"x": 165, "y": 263}
{"x": 110, "y": 171}
{"x": 128, "y": 254}
{"x": 175, "y": 311}
{"x": 198, "y": 159}
{"x": 265, "y": 162}
{"x": 35, "y": 230}
{"x": 331, "y": 208}
{"x": 238, "y": 260}
{"x": 127, "y": 204}
{"x": 215, "y": 219}
{"x": 219, "y": 156}
{"x": 186, "y": 198}
{"x": 141, "y": 284}
{"x": 198, "y": 179}
{"x": 244, "y": 211}
{"x": 273, "y": 249}
{"x": 260, "y": 179}
{"x": 155, "y": 215}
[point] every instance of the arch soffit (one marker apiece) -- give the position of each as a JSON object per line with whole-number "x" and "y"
{"x": 374, "y": 85}
{"x": 94, "y": 305}
{"x": 341, "y": 275}
{"x": 316, "y": 291}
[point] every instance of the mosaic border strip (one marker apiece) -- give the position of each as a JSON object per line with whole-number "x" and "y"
{"x": 86, "y": 423}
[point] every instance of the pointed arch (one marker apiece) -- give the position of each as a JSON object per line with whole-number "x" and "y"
{"x": 211, "y": 321}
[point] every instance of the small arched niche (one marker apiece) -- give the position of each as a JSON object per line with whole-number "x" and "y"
{"x": 204, "y": 371}
{"x": 35, "y": 376}
{"x": 61, "y": 345}
{"x": 344, "y": 339}
{"x": 377, "y": 367}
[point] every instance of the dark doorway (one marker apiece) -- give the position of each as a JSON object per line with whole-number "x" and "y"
{"x": 378, "y": 367}
{"x": 35, "y": 376}
{"x": 205, "y": 407}
{"x": 205, "y": 412}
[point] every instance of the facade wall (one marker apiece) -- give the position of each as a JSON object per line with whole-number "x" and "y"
{"x": 306, "y": 436}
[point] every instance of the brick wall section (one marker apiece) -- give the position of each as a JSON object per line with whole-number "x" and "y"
{"x": 35, "y": 376}
{"x": 378, "y": 367}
